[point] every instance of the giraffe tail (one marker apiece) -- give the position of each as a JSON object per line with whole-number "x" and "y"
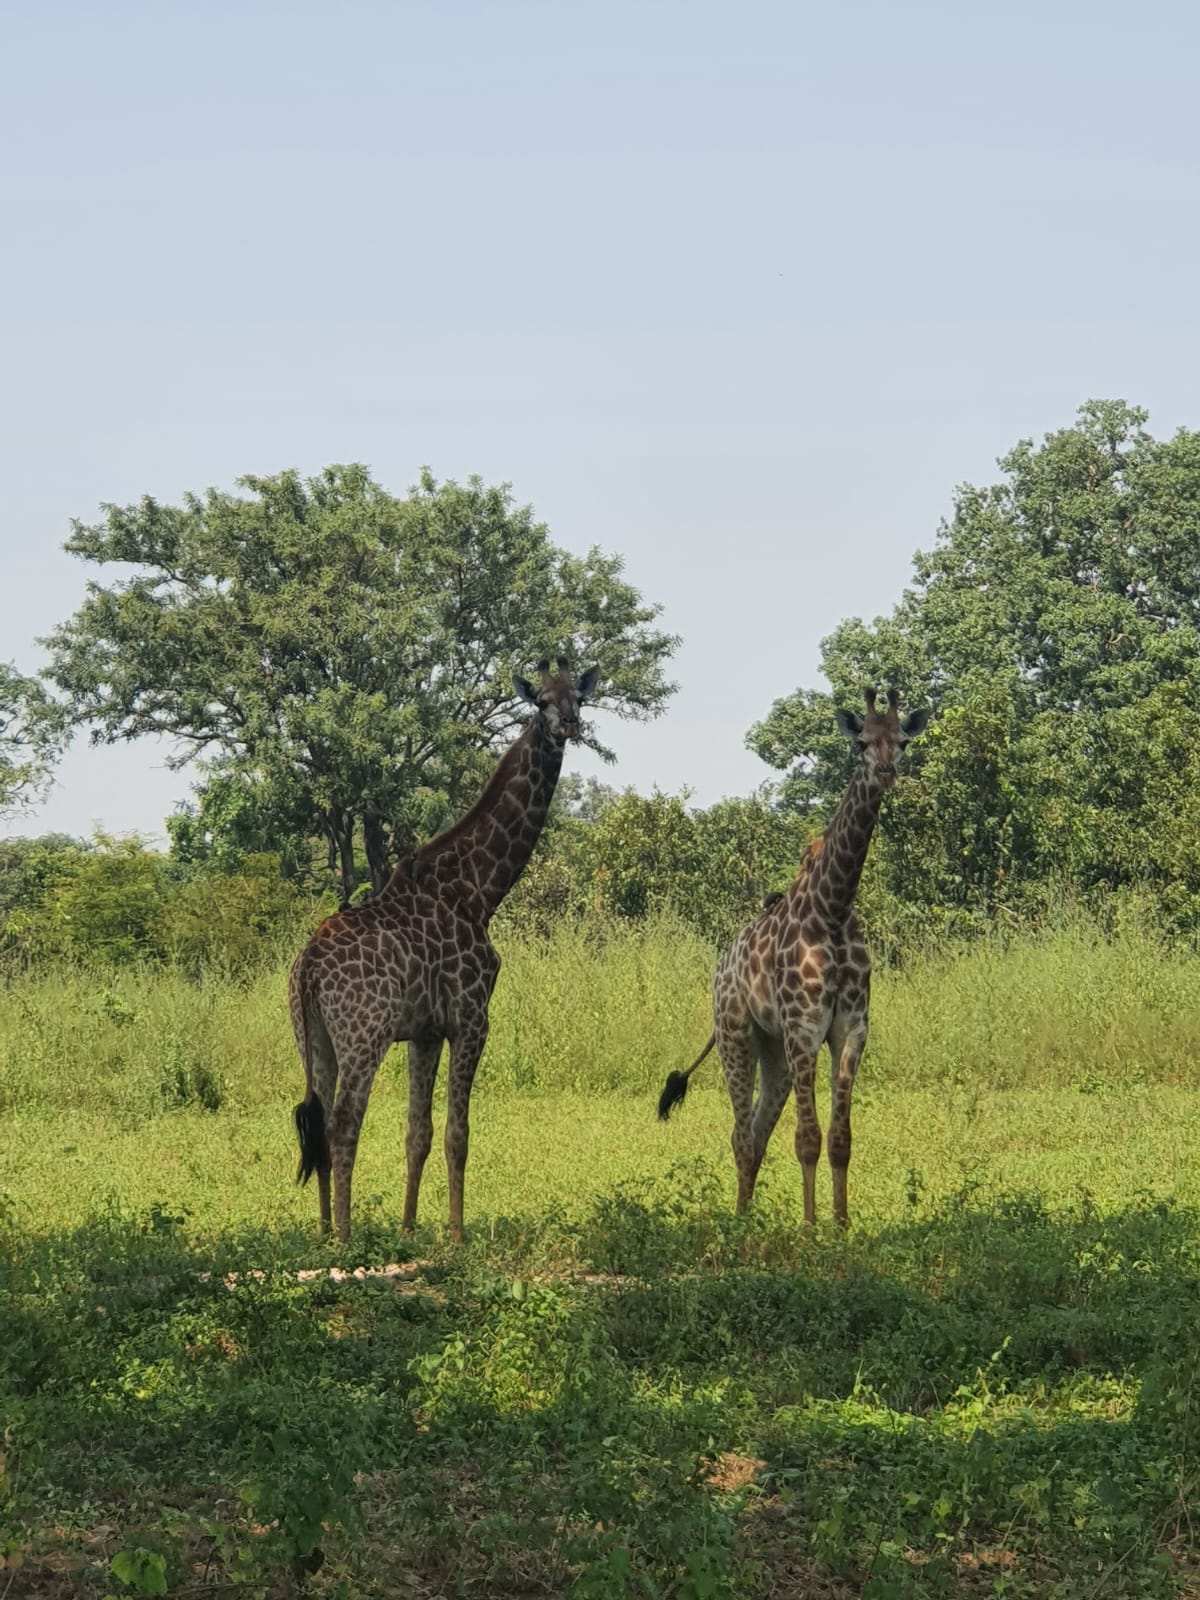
{"x": 314, "y": 1141}
{"x": 677, "y": 1084}
{"x": 309, "y": 1115}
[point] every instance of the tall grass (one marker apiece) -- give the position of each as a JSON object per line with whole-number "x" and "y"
{"x": 610, "y": 1006}
{"x": 1067, "y": 1007}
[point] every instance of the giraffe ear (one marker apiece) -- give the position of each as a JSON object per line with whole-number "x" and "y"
{"x": 849, "y": 723}
{"x": 586, "y": 682}
{"x": 914, "y": 723}
{"x": 525, "y": 690}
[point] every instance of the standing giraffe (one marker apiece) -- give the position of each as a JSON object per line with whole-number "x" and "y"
{"x": 800, "y": 975}
{"x": 416, "y": 963}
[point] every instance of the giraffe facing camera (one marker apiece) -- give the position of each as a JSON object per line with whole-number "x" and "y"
{"x": 799, "y": 976}
{"x": 415, "y": 963}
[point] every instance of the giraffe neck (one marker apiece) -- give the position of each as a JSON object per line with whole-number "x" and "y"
{"x": 834, "y": 875}
{"x": 484, "y": 853}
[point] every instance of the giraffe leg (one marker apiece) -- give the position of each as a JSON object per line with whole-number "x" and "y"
{"x": 345, "y": 1124}
{"x": 465, "y": 1050}
{"x": 423, "y": 1057}
{"x": 802, "y": 1050}
{"x": 774, "y": 1086}
{"x": 343, "y": 1147}
{"x": 847, "y": 1041}
{"x": 325, "y": 1076}
{"x": 322, "y": 1073}
{"x": 735, "y": 1044}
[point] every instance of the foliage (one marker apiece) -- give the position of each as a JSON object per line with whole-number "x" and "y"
{"x": 235, "y": 921}
{"x": 117, "y": 902}
{"x": 32, "y": 733}
{"x": 633, "y": 856}
{"x": 612, "y": 1005}
{"x": 338, "y": 657}
{"x": 231, "y": 820}
{"x": 691, "y": 1403}
{"x": 1054, "y": 630}
{"x": 31, "y": 868}
{"x": 109, "y": 907}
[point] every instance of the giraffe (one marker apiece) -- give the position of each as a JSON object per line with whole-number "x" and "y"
{"x": 799, "y": 976}
{"x": 415, "y": 963}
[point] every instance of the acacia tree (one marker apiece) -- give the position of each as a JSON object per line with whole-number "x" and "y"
{"x": 1055, "y": 629}
{"x": 31, "y": 739}
{"x": 338, "y": 659}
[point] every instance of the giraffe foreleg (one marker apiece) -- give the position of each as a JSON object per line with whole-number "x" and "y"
{"x": 465, "y": 1050}
{"x": 847, "y": 1041}
{"x": 802, "y": 1047}
{"x": 423, "y": 1057}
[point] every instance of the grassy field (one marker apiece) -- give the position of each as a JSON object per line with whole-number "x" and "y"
{"x": 614, "y": 1388}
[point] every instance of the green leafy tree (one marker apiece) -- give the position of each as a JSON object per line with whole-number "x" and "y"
{"x": 32, "y": 732}
{"x": 340, "y": 660}
{"x": 1054, "y": 630}
{"x": 744, "y": 849}
{"x": 585, "y": 798}
{"x": 235, "y": 817}
{"x": 641, "y": 854}
{"x": 30, "y": 868}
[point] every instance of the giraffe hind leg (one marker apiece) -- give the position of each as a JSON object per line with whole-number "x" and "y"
{"x": 357, "y": 1064}
{"x": 774, "y": 1086}
{"x": 739, "y": 1061}
{"x": 423, "y": 1057}
{"x": 311, "y": 1116}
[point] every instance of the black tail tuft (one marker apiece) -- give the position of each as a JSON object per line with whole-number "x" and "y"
{"x": 673, "y": 1093}
{"x": 314, "y": 1142}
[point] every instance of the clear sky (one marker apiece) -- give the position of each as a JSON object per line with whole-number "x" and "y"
{"x": 741, "y": 291}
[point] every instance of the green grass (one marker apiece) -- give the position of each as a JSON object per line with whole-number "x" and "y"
{"x": 563, "y": 1152}
{"x": 597, "y": 1009}
{"x": 614, "y": 1388}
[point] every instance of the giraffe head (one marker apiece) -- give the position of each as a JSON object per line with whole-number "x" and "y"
{"x": 560, "y": 697}
{"x": 882, "y": 735}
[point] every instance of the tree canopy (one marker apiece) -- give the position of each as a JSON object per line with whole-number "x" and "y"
{"x": 338, "y": 658}
{"x": 1054, "y": 630}
{"x": 31, "y": 739}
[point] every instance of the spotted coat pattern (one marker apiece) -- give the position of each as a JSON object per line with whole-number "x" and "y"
{"x": 800, "y": 976}
{"x": 416, "y": 964}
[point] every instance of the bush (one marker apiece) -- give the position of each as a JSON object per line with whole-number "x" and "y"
{"x": 110, "y": 908}
{"x": 641, "y": 856}
{"x": 235, "y": 922}
{"x": 117, "y": 903}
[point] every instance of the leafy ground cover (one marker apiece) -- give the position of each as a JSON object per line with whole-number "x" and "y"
{"x": 989, "y": 1386}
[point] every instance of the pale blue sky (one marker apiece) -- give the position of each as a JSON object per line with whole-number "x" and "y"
{"x": 741, "y": 291}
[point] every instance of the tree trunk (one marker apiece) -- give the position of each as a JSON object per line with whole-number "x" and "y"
{"x": 379, "y": 859}
{"x": 339, "y": 830}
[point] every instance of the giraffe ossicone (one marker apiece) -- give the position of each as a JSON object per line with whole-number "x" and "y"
{"x": 799, "y": 976}
{"x": 415, "y": 963}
